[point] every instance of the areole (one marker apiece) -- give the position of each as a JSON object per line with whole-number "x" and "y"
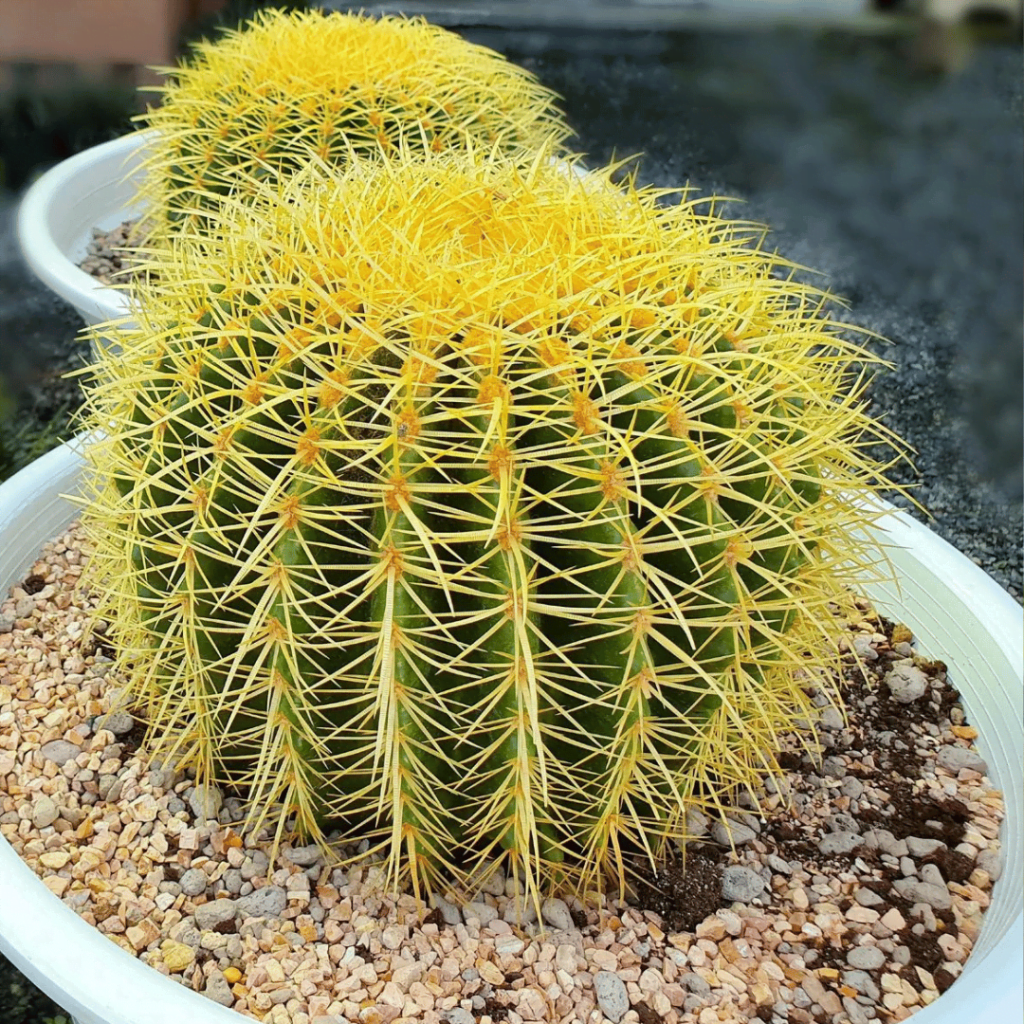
{"x": 955, "y": 610}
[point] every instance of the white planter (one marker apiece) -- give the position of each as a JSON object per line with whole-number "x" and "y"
{"x": 957, "y": 613}
{"x": 95, "y": 188}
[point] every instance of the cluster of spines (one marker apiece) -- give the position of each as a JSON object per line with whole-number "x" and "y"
{"x": 262, "y": 101}
{"x": 485, "y": 509}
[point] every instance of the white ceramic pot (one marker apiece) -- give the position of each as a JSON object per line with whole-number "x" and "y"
{"x": 95, "y": 188}
{"x": 957, "y": 613}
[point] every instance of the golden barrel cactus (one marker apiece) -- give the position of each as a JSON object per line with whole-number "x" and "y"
{"x": 258, "y": 102}
{"x": 485, "y": 510}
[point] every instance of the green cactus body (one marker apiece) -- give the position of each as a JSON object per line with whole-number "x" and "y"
{"x": 485, "y": 510}
{"x": 261, "y": 102}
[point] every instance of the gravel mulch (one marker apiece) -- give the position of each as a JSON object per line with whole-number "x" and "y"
{"x": 852, "y": 891}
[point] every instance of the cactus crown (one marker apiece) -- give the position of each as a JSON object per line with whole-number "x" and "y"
{"x": 488, "y": 509}
{"x": 259, "y": 101}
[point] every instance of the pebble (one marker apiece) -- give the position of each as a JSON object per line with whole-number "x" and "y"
{"x": 741, "y": 884}
{"x": 555, "y": 912}
{"x": 923, "y": 847}
{"x": 305, "y": 856}
{"x": 906, "y": 683}
{"x": 193, "y": 881}
{"x": 483, "y": 912}
{"x": 60, "y": 751}
{"x": 177, "y": 956}
{"x": 117, "y": 722}
{"x": 206, "y": 802}
{"x": 218, "y": 990}
{"x": 520, "y": 910}
{"x": 936, "y": 896}
{"x": 839, "y": 842}
{"x": 864, "y": 649}
{"x": 611, "y": 995}
{"x": 270, "y": 901}
{"x": 955, "y": 759}
{"x": 216, "y": 912}
{"x": 44, "y": 812}
{"x": 731, "y": 833}
{"x": 449, "y": 912}
{"x": 865, "y": 958}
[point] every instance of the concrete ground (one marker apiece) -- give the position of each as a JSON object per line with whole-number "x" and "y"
{"x": 903, "y": 188}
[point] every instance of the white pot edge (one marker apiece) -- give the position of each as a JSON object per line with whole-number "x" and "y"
{"x": 50, "y": 944}
{"x": 67, "y": 186}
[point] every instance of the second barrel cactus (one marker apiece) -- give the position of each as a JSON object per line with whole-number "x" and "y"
{"x": 259, "y": 103}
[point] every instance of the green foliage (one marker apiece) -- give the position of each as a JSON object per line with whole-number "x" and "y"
{"x": 482, "y": 509}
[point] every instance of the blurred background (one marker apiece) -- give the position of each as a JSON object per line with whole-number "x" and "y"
{"x": 882, "y": 141}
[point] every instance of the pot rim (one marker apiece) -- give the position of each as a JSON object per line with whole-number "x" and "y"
{"x": 50, "y": 943}
{"x": 70, "y": 183}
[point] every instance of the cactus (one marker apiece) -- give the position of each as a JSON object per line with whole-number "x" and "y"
{"x": 485, "y": 511}
{"x": 259, "y": 101}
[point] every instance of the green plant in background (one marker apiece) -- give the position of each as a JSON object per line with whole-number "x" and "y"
{"x": 260, "y": 101}
{"x": 479, "y": 509}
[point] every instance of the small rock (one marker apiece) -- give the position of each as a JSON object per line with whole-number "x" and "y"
{"x": 862, "y": 645}
{"x": 865, "y": 958}
{"x": 304, "y": 856}
{"x": 839, "y": 842}
{"x": 556, "y": 913}
{"x": 232, "y": 881}
{"x": 193, "y": 881}
{"x": 923, "y": 847}
{"x": 731, "y": 832}
{"x": 862, "y": 982}
{"x": 611, "y": 995}
{"x": 44, "y": 812}
{"x": 936, "y": 896}
{"x": 991, "y": 861}
{"x": 696, "y": 823}
{"x": 483, "y": 912}
{"x": 867, "y": 898}
{"x": 177, "y": 956}
{"x": 508, "y": 945}
{"x": 449, "y": 912}
{"x": 457, "y": 1015}
{"x": 954, "y": 759}
{"x": 778, "y": 865}
{"x": 59, "y": 751}
{"x": 520, "y": 910}
{"x": 906, "y": 683}
{"x": 831, "y": 719}
{"x": 494, "y": 883}
{"x": 24, "y": 607}
{"x": 118, "y": 723}
{"x": 882, "y": 839}
{"x": 270, "y": 901}
{"x": 206, "y": 802}
{"x": 54, "y": 859}
{"x": 6, "y": 623}
{"x": 215, "y": 913}
{"x": 741, "y": 884}
{"x": 218, "y": 990}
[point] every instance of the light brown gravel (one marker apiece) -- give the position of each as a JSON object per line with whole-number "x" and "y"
{"x": 118, "y": 841}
